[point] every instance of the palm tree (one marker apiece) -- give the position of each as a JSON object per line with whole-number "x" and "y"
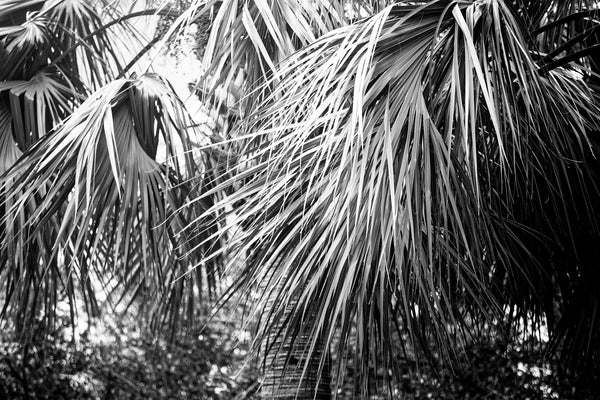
{"x": 401, "y": 172}
{"x": 416, "y": 173}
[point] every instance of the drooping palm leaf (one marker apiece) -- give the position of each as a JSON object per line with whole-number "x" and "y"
{"x": 50, "y": 62}
{"x": 20, "y": 47}
{"x": 37, "y": 105}
{"x": 53, "y": 31}
{"x": 263, "y": 33}
{"x": 388, "y": 166}
{"x": 79, "y": 26}
{"x": 567, "y": 33}
{"x": 8, "y": 147}
{"x": 97, "y": 188}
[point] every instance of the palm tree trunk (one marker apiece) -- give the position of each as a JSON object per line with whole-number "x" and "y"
{"x": 285, "y": 360}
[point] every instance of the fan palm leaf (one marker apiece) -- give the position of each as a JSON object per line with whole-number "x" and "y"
{"x": 97, "y": 187}
{"x": 45, "y": 72}
{"x": 269, "y": 32}
{"x": 387, "y": 166}
{"x": 79, "y": 26}
{"x": 38, "y": 34}
{"x": 14, "y": 12}
{"x": 8, "y": 147}
{"x": 563, "y": 31}
{"x": 37, "y": 105}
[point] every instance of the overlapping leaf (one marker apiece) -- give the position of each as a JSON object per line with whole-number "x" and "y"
{"x": 95, "y": 186}
{"x": 388, "y": 165}
{"x": 248, "y": 39}
{"x": 87, "y": 50}
{"x": 37, "y": 106}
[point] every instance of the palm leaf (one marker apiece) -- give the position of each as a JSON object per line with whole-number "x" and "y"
{"x": 14, "y": 12}
{"x": 45, "y": 71}
{"x": 19, "y": 47}
{"x": 564, "y": 31}
{"x": 248, "y": 39}
{"x": 68, "y": 35}
{"x": 37, "y": 105}
{"x": 94, "y": 57}
{"x": 8, "y": 146}
{"x": 96, "y": 188}
{"x": 385, "y": 176}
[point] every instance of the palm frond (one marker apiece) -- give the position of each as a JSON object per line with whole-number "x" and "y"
{"x": 19, "y": 47}
{"x": 14, "y": 12}
{"x": 96, "y": 188}
{"x": 86, "y": 51}
{"x": 386, "y": 169}
{"x": 37, "y": 105}
{"x": 9, "y": 150}
{"x": 564, "y": 31}
{"x": 68, "y": 35}
{"x": 48, "y": 67}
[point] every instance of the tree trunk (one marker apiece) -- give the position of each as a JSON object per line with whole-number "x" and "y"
{"x": 283, "y": 370}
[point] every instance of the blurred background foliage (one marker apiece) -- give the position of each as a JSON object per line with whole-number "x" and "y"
{"x": 116, "y": 360}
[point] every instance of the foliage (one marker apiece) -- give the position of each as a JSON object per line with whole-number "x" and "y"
{"x": 408, "y": 173}
{"x": 115, "y": 361}
{"x": 399, "y": 172}
{"x": 96, "y": 202}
